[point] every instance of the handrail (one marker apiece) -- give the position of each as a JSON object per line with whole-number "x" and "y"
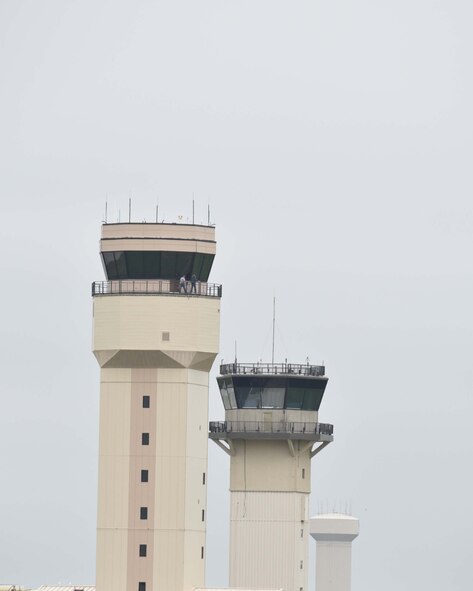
{"x": 270, "y": 427}
{"x": 272, "y": 368}
{"x": 153, "y": 287}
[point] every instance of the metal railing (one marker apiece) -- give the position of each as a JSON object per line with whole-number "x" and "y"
{"x": 272, "y": 368}
{"x": 154, "y": 286}
{"x": 270, "y": 427}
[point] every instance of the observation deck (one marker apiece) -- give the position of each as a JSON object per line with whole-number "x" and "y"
{"x": 294, "y": 369}
{"x": 271, "y": 430}
{"x": 154, "y": 287}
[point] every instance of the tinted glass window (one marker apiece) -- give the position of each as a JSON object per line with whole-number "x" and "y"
{"x": 121, "y": 265}
{"x": 224, "y": 394}
{"x": 294, "y": 398}
{"x": 206, "y": 266}
{"x": 273, "y": 397}
{"x": 110, "y": 266}
{"x": 156, "y": 265}
{"x": 248, "y": 397}
{"x": 168, "y": 265}
{"x": 151, "y": 264}
{"x": 184, "y": 263}
{"x": 231, "y": 393}
{"x": 134, "y": 262}
{"x": 197, "y": 265}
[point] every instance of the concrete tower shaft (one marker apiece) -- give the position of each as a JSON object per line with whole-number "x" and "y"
{"x": 155, "y": 341}
{"x": 334, "y": 534}
{"x": 271, "y": 432}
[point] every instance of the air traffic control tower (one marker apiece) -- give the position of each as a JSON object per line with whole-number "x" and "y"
{"x": 155, "y": 342}
{"x": 271, "y": 432}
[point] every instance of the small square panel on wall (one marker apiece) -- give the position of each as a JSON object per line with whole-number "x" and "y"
{"x": 166, "y": 336}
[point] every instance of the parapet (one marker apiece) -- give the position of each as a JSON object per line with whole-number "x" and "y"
{"x": 334, "y": 527}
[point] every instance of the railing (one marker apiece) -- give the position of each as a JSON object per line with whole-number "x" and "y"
{"x": 272, "y": 368}
{"x": 270, "y": 427}
{"x": 154, "y": 286}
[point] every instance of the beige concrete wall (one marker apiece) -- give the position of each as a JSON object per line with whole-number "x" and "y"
{"x": 176, "y": 231}
{"x": 333, "y": 566}
{"x": 173, "y": 330}
{"x": 268, "y": 540}
{"x": 158, "y": 237}
{"x": 175, "y": 494}
{"x": 261, "y": 465}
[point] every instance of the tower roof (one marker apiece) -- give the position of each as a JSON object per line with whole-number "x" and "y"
{"x": 334, "y": 527}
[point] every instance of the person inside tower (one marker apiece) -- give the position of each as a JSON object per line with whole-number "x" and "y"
{"x": 193, "y": 283}
{"x": 182, "y": 284}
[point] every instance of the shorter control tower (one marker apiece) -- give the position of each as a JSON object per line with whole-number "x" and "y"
{"x": 271, "y": 432}
{"x": 334, "y": 533}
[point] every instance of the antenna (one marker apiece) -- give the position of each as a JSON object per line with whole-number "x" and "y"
{"x": 157, "y": 208}
{"x": 274, "y": 321}
{"x": 129, "y": 209}
{"x": 106, "y": 207}
{"x": 208, "y": 214}
{"x": 235, "y": 351}
{"x": 192, "y": 207}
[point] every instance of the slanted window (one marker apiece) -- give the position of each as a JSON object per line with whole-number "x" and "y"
{"x": 146, "y": 401}
{"x": 141, "y": 586}
{"x": 144, "y": 475}
{"x": 143, "y": 512}
{"x": 145, "y": 439}
{"x": 143, "y": 550}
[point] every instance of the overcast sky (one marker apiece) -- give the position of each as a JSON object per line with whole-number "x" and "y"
{"x": 333, "y": 142}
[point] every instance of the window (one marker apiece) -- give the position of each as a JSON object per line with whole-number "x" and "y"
{"x": 141, "y": 586}
{"x": 145, "y": 439}
{"x": 143, "y": 512}
{"x": 302, "y": 564}
{"x": 202, "y": 552}
{"x": 203, "y": 514}
{"x": 144, "y": 475}
{"x": 145, "y": 401}
{"x": 203, "y": 477}
{"x": 143, "y": 550}
{"x": 303, "y": 472}
{"x": 302, "y": 533}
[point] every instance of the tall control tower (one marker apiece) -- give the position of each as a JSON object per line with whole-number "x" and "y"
{"x": 271, "y": 432}
{"x": 155, "y": 341}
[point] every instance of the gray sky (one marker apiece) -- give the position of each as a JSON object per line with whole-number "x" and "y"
{"x": 333, "y": 141}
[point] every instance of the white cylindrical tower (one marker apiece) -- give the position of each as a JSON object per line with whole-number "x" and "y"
{"x": 334, "y": 534}
{"x": 271, "y": 432}
{"x": 155, "y": 339}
